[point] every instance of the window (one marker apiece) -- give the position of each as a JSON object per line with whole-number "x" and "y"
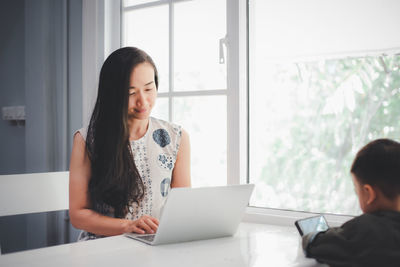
{"x": 324, "y": 80}
{"x": 189, "y": 53}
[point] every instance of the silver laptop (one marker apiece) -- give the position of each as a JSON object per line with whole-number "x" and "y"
{"x": 199, "y": 213}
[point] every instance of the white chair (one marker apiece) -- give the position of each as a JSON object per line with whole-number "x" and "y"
{"x": 33, "y": 192}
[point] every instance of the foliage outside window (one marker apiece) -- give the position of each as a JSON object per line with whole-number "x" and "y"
{"x": 307, "y": 121}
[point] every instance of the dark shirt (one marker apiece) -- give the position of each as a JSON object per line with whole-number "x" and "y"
{"x": 372, "y": 239}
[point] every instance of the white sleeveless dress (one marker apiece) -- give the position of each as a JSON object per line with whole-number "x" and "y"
{"x": 155, "y": 155}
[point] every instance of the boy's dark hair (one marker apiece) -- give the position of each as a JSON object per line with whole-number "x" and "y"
{"x": 378, "y": 163}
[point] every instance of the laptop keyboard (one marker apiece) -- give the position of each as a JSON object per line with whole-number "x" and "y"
{"x": 149, "y": 238}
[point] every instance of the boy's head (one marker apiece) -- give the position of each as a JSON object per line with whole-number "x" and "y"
{"x": 376, "y": 175}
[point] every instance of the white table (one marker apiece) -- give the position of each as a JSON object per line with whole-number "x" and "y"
{"x": 252, "y": 245}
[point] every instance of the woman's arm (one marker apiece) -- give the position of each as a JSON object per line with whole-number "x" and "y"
{"x": 181, "y": 171}
{"x": 81, "y": 214}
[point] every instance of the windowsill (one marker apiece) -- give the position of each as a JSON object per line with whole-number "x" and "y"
{"x": 287, "y": 217}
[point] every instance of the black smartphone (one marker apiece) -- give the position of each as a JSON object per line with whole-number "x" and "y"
{"x": 311, "y": 224}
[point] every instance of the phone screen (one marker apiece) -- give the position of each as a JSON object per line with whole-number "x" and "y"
{"x": 312, "y": 224}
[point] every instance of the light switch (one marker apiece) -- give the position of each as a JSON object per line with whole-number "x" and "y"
{"x": 14, "y": 113}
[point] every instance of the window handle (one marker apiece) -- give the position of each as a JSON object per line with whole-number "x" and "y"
{"x": 222, "y": 42}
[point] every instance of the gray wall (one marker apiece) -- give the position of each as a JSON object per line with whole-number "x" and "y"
{"x": 75, "y": 90}
{"x": 12, "y": 84}
{"x": 46, "y": 85}
{"x": 40, "y": 68}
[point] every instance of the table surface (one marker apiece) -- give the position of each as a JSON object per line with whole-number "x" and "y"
{"x": 252, "y": 245}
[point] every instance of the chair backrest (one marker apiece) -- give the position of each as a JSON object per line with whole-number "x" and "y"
{"x": 33, "y": 192}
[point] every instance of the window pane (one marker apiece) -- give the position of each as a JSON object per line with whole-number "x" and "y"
{"x": 160, "y": 110}
{"x": 204, "y": 118}
{"x": 148, "y": 30}
{"x": 307, "y": 121}
{"x": 317, "y": 95}
{"x": 288, "y": 28}
{"x": 198, "y": 26}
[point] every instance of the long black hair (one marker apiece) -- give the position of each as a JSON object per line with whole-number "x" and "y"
{"x": 115, "y": 180}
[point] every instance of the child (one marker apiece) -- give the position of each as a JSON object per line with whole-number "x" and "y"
{"x": 372, "y": 239}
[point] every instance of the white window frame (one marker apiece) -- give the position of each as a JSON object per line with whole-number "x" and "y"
{"x": 102, "y": 28}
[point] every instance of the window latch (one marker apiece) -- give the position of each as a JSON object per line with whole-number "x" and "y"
{"x": 222, "y": 42}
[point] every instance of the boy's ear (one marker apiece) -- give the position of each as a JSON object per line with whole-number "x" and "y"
{"x": 370, "y": 193}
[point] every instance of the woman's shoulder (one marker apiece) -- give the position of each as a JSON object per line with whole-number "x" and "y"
{"x": 82, "y": 131}
{"x": 166, "y": 125}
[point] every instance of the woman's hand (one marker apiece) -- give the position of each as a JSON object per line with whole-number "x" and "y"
{"x": 144, "y": 225}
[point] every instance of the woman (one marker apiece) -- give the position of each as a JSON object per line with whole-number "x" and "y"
{"x": 123, "y": 165}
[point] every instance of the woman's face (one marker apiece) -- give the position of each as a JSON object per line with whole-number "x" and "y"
{"x": 142, "y": 91}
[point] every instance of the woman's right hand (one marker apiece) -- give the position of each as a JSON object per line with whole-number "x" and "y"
{"x": 144, "y": 225}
